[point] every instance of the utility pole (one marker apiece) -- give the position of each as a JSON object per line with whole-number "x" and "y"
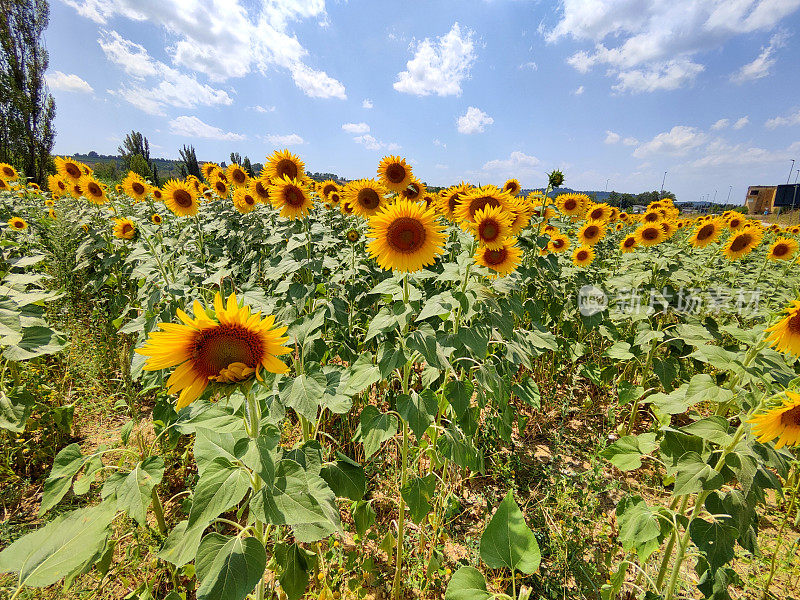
{"x": 790, "y": 172}
{"x": 607, "y": 180}
{"x": 794, "y": 195}
{"x": 730, "y": 189}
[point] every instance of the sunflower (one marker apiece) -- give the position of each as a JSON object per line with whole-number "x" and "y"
{"x": 51, "y": 213}
{"x": 558, "y": 243}
{"x": 292, "y": 197}
{"x": 93, "y": 190}
{"x": 782, "y": 249}
{"x": 469, "y": 204}
{"x": 227, "y": 348}
{"x": 75, "y": 189}
{"x": 781, "y": 423}
{"x": 366, "y": 196}
{"x": 70, "y": 170}
{"x": 135, "y": 186}
{"x": 284, "y": 164}
{"x": 49, "y": 203}
{"x": 491, "y": 226}
{"x": 649, "y": 234}
{"x": 598, "y": 212}
{"x": 669, "y": 228}
{"x": 124, "y": 229}
{"x": 180, "y": 198}
{"x": 583, "y": 256}
{"x": 8, "y": 173}
{"x": 17, "y": 223}
{"x": 448, "y": 200}
{"x": 344, "y": 205}
{"x": 414, "y": 191}
{"x": 520, "y": 217}
{"x": 57, "y": 186}
{"x": 705, "y": 233}
{"x": 326, "y": 187}
{"x": 244, "y": 201}
{"x": 259, "y": 188}
{"x": 237, "y": 175}
{"x": 628, "y": 244}
{"x": 741, "y": 243}
{"x": 156, "y": 219}
{"x": 624, "y": 217}
{"x": 784, "y": 336}
{"x": 157, "y": 193}
{"x": 735, "y": 222}
{"x": 334, "y": 198}
{"x": 512, "y": 186}
{"x": 394, "y": 173}
{"x": 405, "y": 237}
{"x": 652, "y": 216}
{"x": 501, "y": 261}
{"x": 207, "y": 170}
{"x": 591, "y": 233}
{"x": 353, "y": 236}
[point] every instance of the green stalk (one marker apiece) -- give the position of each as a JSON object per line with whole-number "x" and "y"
{"x": 252, "y": 425}
{"x": 774, "y": 560}
{"x": 158, "y": 511}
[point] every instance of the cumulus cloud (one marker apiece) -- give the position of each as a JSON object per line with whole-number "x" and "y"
{"x": 761, "y": 65}
{"x": 787, "y": 121}
{"x": 741, "y": 122}
{"x": 722, "y": 153}
{"x": 291, "y": 139}
{"x": 439, "y": 66}
{"x": 517, "y": 164}
{"x": 67, "y": 83}
{"x": 367, "y": 103}
{"x": 612, "y": 138}
{"x": 226, "y": 39}
{"x": 473, "y": 121}
{"x": 371, "y": 143}
{"x": 650, "y": 45}
{"x": 677, "y": 141}
{"x": 193, "y": 127}
{"x": 356, "y": 128}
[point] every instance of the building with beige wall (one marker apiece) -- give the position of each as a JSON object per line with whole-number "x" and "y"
{"x": 760, "y": 198}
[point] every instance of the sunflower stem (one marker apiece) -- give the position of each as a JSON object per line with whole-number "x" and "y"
{"x": 201, "y": 243}
{"x": 252, "y": 424}
{"x": 779, "y": 543}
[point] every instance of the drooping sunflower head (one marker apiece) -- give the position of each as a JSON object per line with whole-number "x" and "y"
{"x": 624, "y": 217}
{"x": 75, "y": 189}
{"x": 782, "y": 248}
{"x": 365, "y": 196}
{"x": 405, "y": 237}
{"x": 598, "y": 212}
{"x": 414, "y": 191}
{"x": 591, "y": 233}
{"x": 520, "y": 216}
{"x": 572, "y": 205}
{"x": 741, "y": 243}
{"x": 259, "y": 188}
{"x": 628, "y": 244}
{"x": 135, "y": 186}
{"x": 244, "y": 200}
{"x": 512, "y": 186}
{"x": 124, "y": 229}
{"x": 291, "y": 197}
{"x": 491, "y": 226}
{"x": 93, "y": 190}
{"x": 394, "y": 173}
{"x": 180, "y": 198}
{"x": 8, "y": 172}
{"x": 583, "y": 256}
{"x": 649, "y": 234}
{"x": 69, "y": 169}
{"x": 344, "y": 205}
{"x": 227, "y": 347}
{"x": 781, "y": 423}
{"x": 784, "y": 336}
{"x": 500, "y": 261}
{"x": 706, "y": 233}
{"x": 558, "y": 243}
{"x": 479, "y": 198}
{"x": 237, "y": 175}
{"x": 282, "y": 164}
{"x": 17, "y": 223}
{"x": 669, "y": 228}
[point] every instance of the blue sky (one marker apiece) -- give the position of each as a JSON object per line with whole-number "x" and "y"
{"x": 610, "y": 91}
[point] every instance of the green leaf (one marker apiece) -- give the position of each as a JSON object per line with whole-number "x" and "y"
{"x": 508, "y": 542}
{"x": 418, "y": 494}
{"x": 296, "y": 567}
{"x": 711, "y": 429}
{"x": 419, "y": 410}
{"x": 181, "y": 544}
{"x": 205, "y": 415}
{"x": 222, "y": 486}
{"x": 36, "y": 341}
{"x": 133, "y": 492}
{"x": 62, "y": 546}
{"x": 453, "y": 445}
{"x": 620, "y": 351}
{"x": 627, "y": 452}
{"x": 702, "y": 388}
{"x": 15, "y": 408}
{"x": 363, "y": 516}
{"x": 345, "y": 477}
{"x": 467, "y": 584}
{"x": 65, "y": 466}
{"x": 374, "y": 428}
{"x": 715, "y": 540}
{"x": 305, "y": 394}
{"x": 694, "y": 475}
{"x": 640, "y": 527}
{"x": 231, "y": 570}
{"x": 459, "y": 394}
{"x": 528, "y": 391}
{"x": 362, "y": 375}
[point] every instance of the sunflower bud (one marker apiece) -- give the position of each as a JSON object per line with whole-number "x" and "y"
{"x": 556, "y": 178}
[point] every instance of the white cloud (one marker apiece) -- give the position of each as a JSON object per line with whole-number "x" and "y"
{"x": 262, "y": 109}
{"x": 762, "y": 64}
{"x": 194, "y": 127}
{"x": 356, "y": 128}
{"x": 473, "y": 121}
{"x": 641, "y": 42}
{"x": 721, "y": 124}
{"x": 792, "y": 119}
{"x": 741, "y": 122}
{"x": 530, "y": 65}
{"x": 226, "y": 39}
{"x": 721, "y": 153}
{"x": 173, "y": 88}
{"x": 367, "y": 103}
{"x": 679, "y": 140}
{"x": 291, "y": 139}
{"x": 440, "y": 66}
{"x": 440, "y": 166}
{"x": 578, "y": 91}
{"x": 371, "y": 143}
{"x": 611, "y": 137}
{"x": 516, "y": 165}
{"x": 438, "y": 142}
{"x": 67, "y": 82}
{"x": 630, "y": 141}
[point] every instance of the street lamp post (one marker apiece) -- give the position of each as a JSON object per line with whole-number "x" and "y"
{"x": 794, "y": 194}
{"x": 607, "y": 180}
{"x": 728, "y": 201}
{"x": 661, "y": 194}
{"x": 790, "y": 172}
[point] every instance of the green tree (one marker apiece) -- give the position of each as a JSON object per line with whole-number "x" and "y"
{"x": 26, "y": 107}
{"x": 139, "y": 165}
{"x": 248, "y": 167}
{"x": 190, "y": 165}
{"x": 136, "y": 143}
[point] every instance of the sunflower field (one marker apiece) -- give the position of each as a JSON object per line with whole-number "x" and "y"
{"x": 272, "y": 387}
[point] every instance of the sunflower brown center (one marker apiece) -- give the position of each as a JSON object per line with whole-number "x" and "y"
{"x": 182, "y": 198}
{"x": 328, "y": 189}
{"x": 249, "y": 200}
{"x": 480, "y": 203}
{"x": 406, "y": 235}
{"x": 221, "y": 188}
{"x": 413, "y": 191}
{"x": 582, "y": 255}
{"x": 286, "y": 167}
{"x": 8, "y": 171}
{"x": 651, "y": 217}
{"x": 127, "y": 228}
{"x": 262, "y": 191}
{"x": 61, "y": 185}
{"x": 793, "y": 324}
{"x": 157, "y": 194}
{"x": 334, "y": 197}
{"x": 591, "y": 232}
{"x": 395, "y": 173}
{"x": 558, "y": 243}
{"x": 791, "y": 418}
{"x": 650, "y": 234}
{"x": 495, "y": 257}
{"x": 705, "y": 232}
{"x": 489, "y": 230}
{"x": 596, "y": 214}
{"x": 215, "y": 349}
{"x": 239, "y": 177}
{"x": 369, "y": 198}
{"x": 780, "y": 250}
{"x": 735, "y": 223}
{"x": 137, "y": 188}
{"x": 72, "y": 170}
{"x": 570, "y": 204}
{"x": 629, "y": 242}
{"x": 293, "y": 197}
{"x": 94, "y": 189}
{"x": 740, "y": 242}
